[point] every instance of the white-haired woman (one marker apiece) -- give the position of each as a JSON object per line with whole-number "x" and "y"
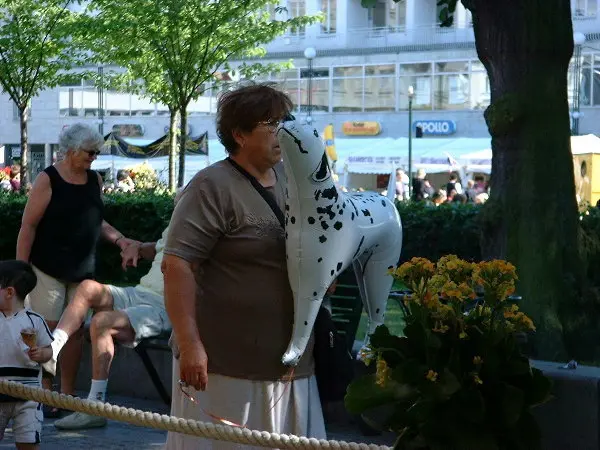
{"x": 61, "y": 225}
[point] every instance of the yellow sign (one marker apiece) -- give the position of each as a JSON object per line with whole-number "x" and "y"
{"x": 330, "y": 143}
{"x": 361, "y": 128}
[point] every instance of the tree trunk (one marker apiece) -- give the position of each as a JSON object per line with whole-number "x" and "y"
{"x": 531, "y": 218}
{"x": 23, "y": 117}
{"x": 172, "y": 147}
{"x": 182, "y": 144}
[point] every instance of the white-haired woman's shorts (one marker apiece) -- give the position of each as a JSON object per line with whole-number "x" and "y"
{"x": 50, "y": 296}
{"x": 145, "y": 310}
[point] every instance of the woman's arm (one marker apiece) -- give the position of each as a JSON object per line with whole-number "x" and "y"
{"x": 197, "y": 224}
{"x": 38, "y": 201}
{"x": 180, "y": 303}
{"x": 114, "y": 236}
{"x": 110, "y": 233}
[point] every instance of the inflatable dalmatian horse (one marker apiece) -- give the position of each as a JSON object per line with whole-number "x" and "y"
{"x": 327, "y": 230}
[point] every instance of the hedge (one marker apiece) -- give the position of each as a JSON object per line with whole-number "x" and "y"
{"x": 139, "y": 216}
{"x": 429, "y": 231}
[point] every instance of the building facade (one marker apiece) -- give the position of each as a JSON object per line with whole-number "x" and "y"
{"x": 366, "y": 60}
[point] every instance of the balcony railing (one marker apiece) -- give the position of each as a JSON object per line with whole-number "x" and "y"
{"x": 377, "y": 37}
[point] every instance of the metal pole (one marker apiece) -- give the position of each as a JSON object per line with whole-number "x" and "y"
{"x": 576, "y": 90}
{"x": 310, "y": 69}
{"x": 101, "y": 102}
{"x": 410, "y": 174}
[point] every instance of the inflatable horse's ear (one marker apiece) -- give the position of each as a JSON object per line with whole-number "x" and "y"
{"x": 322, "y": 173}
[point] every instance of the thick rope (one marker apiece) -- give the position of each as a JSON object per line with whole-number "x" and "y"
{"x": 176, "y": 424}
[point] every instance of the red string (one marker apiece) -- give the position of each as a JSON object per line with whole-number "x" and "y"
{"x": 287, "y": 379}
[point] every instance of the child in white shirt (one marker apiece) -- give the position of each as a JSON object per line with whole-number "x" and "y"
{"x": 25, "y": 342}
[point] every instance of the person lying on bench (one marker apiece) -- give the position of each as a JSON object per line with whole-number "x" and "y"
{"x": 127, "y": 314}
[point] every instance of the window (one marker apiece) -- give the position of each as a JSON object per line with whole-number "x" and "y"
{"x": 141, "y": 106}
{"x": 419, "y": 77}
{"x": 328, "y": 8}
{"x": 585, "y": 80}
{"x": 117, "y": 103}
{"x": 296, "y": 8}
{"x": 585, "y": 8}
{"x": 347, "y": 89}
{"x": 380, "y": 88}
{"x": 290, "y": 87}
{"x": 451, "y": 85}
{"x": 319, "y": 89}
{"x": 284, "y": 75}
{"x": 388, "y": 14}
{"x": 89, "y": 102}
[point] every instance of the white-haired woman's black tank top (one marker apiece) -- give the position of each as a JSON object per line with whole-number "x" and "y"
{"x": 66, "y": 237}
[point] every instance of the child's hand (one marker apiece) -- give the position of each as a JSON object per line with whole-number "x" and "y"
{"x": 40, "y": 354}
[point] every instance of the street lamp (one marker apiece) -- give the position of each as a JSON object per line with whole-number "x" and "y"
{"x": 578, "y": 40}
{"x": 411, "y": 95}
{"x": 101, "y": 101}
{"x": 310, "y": 53}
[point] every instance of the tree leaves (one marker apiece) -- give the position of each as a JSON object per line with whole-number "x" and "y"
{"x": 36, "y": 46}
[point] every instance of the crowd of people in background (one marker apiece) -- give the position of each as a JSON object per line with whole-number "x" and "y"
{"x": 476, "y": 190}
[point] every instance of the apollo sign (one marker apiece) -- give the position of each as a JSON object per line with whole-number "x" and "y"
{"x": 436, "y": 127}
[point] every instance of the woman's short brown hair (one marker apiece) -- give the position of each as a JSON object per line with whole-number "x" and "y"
{"x": 244, "y": 107}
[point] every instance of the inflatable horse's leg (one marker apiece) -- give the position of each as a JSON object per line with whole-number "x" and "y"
{"x": 374, "y": 285}
{"x": 306, "y": 310}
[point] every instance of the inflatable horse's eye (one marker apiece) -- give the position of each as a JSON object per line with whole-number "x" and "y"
{"x": 315, "y": 133}
{"x": 322, "y": 173}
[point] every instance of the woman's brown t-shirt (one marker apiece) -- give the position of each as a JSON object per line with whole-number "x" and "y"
{"x": 244, "y": 304}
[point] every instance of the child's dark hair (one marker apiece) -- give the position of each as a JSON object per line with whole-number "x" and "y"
{"x": 19, "y": 275}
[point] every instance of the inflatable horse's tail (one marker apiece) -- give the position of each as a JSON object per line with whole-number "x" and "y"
{"x": 391, "y": 189}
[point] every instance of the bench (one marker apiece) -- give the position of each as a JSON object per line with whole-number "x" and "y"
{"x": 160, "y": 343}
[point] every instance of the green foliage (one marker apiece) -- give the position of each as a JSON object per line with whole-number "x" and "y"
{"x": 36, "y": 48}
{"x": 457, "y": 378}
{"x": 432, "y": 232}
{"x": 172, "y": 51}
{"x": 142, "y": 216}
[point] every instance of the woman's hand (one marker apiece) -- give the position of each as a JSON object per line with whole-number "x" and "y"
{"x": 193, "y": 366}
{"x": 130, "y": 256}
{"x": 123, "y": 243}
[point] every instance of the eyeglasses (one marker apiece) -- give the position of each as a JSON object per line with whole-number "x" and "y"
{"x": 92, "y": 152}
{"x": 271, "y": 125}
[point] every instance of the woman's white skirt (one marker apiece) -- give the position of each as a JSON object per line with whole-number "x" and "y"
{"x": 297, "y": 409}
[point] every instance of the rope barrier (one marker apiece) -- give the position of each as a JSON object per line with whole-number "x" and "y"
{"x": 177, "y": 424}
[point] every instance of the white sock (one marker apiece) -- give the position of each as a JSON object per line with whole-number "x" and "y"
{"x": 60, "y": 339}
{"x": 98, "y": 390}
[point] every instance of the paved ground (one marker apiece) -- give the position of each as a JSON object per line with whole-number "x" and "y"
{"x": 117, "y": 435}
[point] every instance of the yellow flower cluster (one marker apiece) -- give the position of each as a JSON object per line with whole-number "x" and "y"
{"x": 442, "y": 289}
{"x": 144, "y": 176}
{"x": 415, "y": 271}
{"x": 497, "y": 278}
{"x": 458, "y": 293}
{"x": 432, "y": 376}
{"x": 518, "y": 319}
{"x": 456, "y": 270}
{"x": 382, "y": 374}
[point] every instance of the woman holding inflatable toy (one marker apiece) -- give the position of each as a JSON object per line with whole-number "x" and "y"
{"x": 227, "y": 290}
